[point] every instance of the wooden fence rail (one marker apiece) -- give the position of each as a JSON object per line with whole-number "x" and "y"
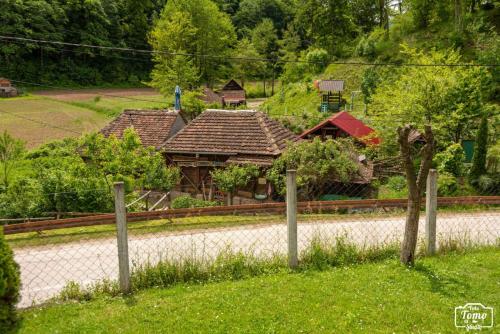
{"x": 267, "y": 208}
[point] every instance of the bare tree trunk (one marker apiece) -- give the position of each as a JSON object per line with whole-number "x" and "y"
{"x": 458, "y": 15}
{"x": 272, "y": 84}
{"x": 416, "y": 185}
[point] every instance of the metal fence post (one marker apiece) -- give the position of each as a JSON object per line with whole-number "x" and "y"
{"x": 291, "y": 215}
{"x": 122, "y": 238}
{"x": 431, "y": 211}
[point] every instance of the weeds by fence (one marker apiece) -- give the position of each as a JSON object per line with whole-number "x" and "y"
{"x": 214, "y": 243}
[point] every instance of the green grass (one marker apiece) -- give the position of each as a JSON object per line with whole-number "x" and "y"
{"x": 43, "y": 110}
{"x": 302, "y": 97}
{"x": 382, "y": 297}
{"x": 113, "y": 106}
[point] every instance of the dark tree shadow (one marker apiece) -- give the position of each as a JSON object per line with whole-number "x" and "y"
{"x": 443, "y": 283}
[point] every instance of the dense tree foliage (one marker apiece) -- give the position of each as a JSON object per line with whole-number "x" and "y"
{"x": 232, "y": 177}
{"x": 192, "y": 27}
{"x": 78, "y": 175}
{"x": 449, "y": 98}
{"x": 121, "y": 23}
{"x": 10, "y": 284}
{"x": 11, "y": 150}
{"x": 317, "y": 163}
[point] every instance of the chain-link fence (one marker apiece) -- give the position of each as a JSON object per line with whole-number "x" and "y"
{"x": 83, "y": 251}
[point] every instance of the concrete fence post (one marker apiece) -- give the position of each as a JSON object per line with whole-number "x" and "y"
{"x": 122, "y": 238}
{"x": 431, "y": 211}
{"x": 291, "y": 216}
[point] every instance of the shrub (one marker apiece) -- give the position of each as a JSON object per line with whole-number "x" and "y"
{"x": 451, "y": 160}
{"x": 9, "y": 286}
{"x": 447, "y": 184}
{"x": 480, "y": 151}
{"x": 183, "y": 202}
{"x": 395, "y": 187}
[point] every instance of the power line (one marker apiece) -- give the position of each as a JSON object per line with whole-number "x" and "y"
{"x": 144, "y": 51}
{"x": 39, "y": 122}
{"x": 51, "y": 49}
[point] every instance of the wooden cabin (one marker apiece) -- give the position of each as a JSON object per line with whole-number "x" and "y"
{"x": 6, "y": 88}
{"x": 331, "y": 95}
{"x": 217, "y": 138}
{"x": 343, "y": 124}
{"x": 232, "y": 94}
{"x": 154, "y": 127}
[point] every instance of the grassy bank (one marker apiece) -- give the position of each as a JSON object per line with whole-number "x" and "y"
{"x": 377, "y": 298}
{"x": 38, "y": 120}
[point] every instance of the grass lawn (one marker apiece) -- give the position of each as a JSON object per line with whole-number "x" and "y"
{"x": 370, "y": 298}
{"x": 43, "y": 110}
{"x": 113, "y": 106}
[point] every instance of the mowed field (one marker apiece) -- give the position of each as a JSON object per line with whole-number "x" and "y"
{"x": 50, "y": 115}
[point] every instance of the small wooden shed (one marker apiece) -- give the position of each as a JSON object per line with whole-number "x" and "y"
{"x": 331, "y": 94}
{"x": 6, "y": 88}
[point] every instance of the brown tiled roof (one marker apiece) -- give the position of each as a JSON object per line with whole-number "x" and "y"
{"x": 154, "y": 127}
{"x": 230, "y": 132}
{"x": 209, "y": 96}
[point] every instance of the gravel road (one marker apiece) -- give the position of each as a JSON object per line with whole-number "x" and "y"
{"x": 45, "y": 270}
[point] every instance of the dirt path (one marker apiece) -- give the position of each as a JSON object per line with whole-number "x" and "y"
{"x": 46, "y": 270}
{"x": 85, "y": 94}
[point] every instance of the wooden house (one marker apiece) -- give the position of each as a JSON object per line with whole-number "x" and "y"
{"x": 217, "y": 138}
{"x": 331, "y": 94}
{"x": 232, "y": 94}
{"x": 6, "y": 88}
{"x": 343, "y": 124}
{"x": 154, "y": 127}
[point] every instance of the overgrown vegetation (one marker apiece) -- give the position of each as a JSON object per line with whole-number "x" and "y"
{"x": 318, "y": 164}
{"x": 77, "y": 175}
{"x": 9, "y": 286}
{"x": 186, "y": 201}
{"x": 232, "y": 177}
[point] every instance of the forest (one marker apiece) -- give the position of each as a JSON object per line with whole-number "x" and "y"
{"x": 194, "y": 43}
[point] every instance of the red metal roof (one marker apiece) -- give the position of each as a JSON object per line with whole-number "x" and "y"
{"x": 350, "y": 125}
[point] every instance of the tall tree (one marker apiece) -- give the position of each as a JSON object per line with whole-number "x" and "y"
{"x": 328, "y": 24}
{"x": 265, "y": 40}
{"x": 416, "y": 186}
{"x": 447, "y": 97}
{"x": 172, "y": 38}
{"x": 10, "y": 152}
{"x": 247, "y": 69}
{"x": 480, "y": 150}
{"x": 210, "y": 36}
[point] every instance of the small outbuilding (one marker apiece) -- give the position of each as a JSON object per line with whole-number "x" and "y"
{"x": 331, "y": 94}
{"x": 343, "y": 124}
{"x": 6, "y": 88}
{"x": 233, "y": 94}
{"x": 154, "y": 127}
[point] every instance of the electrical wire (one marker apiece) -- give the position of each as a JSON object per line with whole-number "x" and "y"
{"x": 144, "y": 51}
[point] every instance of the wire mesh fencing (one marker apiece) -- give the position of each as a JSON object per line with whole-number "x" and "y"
{"x": 58, "y": 254}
